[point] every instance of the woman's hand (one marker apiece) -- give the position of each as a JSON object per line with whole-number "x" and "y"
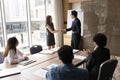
{"x": 63, "y": 30}
{"x": 26, "y": 58}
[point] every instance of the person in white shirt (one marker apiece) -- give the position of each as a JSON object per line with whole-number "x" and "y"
{"x": 12, "y": 54}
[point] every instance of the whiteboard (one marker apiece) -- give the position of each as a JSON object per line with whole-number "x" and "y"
{"x": 80, "y": 17}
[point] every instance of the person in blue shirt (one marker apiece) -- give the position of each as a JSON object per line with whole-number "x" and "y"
{"x": 67, "y": 71}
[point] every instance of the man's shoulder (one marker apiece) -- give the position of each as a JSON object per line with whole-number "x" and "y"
{"x": 81, "y": 70}
{"x": 55, "y": 69}
{"x": 99, "y": 50}
{"x": 77, "y": 21}
{"x": 60, "y": 72}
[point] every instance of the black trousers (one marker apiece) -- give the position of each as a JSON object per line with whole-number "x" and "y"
{"x": 75, "y": 42}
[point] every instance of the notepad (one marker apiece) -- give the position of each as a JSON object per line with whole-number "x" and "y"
{"x": 24, "y": 63}
{"x": 40, "y": 73}
{"x": 79, "y": 57}
{"x": 9, "y": 72}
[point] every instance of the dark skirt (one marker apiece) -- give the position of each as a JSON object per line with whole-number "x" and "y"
{"x": 50, "y": 40}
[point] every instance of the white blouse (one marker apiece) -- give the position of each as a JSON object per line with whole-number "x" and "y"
{"x": 13, "y": 57}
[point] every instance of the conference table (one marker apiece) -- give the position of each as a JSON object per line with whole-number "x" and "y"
{"x": 28, "y": 72}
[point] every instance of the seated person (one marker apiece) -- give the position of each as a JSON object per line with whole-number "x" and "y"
{"x": 12, "y": 54}
{"x": 98, "y": 56}
{"x": 67, "y": 71}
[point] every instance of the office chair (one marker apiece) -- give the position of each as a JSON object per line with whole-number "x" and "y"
{"x": 1, "y": 58}
{"x": 107, "y": 69}
{"x": 35, "y": 49}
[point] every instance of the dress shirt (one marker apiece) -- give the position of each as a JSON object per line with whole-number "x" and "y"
{"x": 67, "y": 72}
{"x": 14, "y": 57}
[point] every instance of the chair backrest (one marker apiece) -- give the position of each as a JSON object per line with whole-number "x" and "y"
{"x": 1, "y": 58}
{"x": 107, "y": 69}
{"x": 35, "y": 49}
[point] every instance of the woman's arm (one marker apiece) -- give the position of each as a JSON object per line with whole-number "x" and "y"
{"x": 19, "y": 52}
{"x": 23, "y": 57}
{"x": 51, "y": 30}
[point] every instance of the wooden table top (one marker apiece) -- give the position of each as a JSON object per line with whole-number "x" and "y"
{"x": 41, "y": 62}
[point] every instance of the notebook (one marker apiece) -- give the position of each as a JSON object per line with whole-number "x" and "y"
{"x": 24, "y": 63}
{"x": 9, "y": 72}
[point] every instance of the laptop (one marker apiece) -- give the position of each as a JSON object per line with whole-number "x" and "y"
{"x": 24, "y": 63}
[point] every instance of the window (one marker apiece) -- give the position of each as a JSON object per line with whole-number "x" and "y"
{"x": 38, "y": 22}
{"x": 16, "y": 21}
{"x": 49, "y": 7}
{"x": 1, "y": 32}
{"x": 39, "y": 3}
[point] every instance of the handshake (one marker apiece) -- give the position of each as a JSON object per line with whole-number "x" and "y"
{"x": 61, "y": 30}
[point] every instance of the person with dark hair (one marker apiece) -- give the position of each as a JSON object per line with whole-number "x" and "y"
{"x": 67, "y": 71}
{"x": 12, "y": 54}
{"x": 76, "y": 30}
{"x": 98, "y": 56}
{"x": 50, "y": 32}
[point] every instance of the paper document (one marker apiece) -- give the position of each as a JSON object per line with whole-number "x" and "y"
{"x": 47, "y": 52}
{"x": 40, "y": 73}
{"x": 51, "y": 51}
{"x": 9, "y": 72}
{"x": 37, "y": 56}
{"x": 55, "y": 49}
{"x": 75, "y": 50}
{"x": 79, "y": 57}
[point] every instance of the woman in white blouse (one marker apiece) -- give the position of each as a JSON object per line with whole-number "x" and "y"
{"x": 12, "y": 54}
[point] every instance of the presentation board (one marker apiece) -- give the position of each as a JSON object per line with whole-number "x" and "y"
{"x": 69, "y": 20}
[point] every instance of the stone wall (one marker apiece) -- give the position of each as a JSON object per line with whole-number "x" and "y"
{"x": 102, "y": 16}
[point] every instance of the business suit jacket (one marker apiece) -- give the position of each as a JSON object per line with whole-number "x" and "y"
{"x": 76, "y": 33}
{"x": 94, "y": 60}
{"x": 67, "y": 72}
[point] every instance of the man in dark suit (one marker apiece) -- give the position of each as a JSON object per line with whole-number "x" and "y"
{"x": 67, "y": 71}
{"x": 98, "y": 56}
{"x": 76, "y": 30}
